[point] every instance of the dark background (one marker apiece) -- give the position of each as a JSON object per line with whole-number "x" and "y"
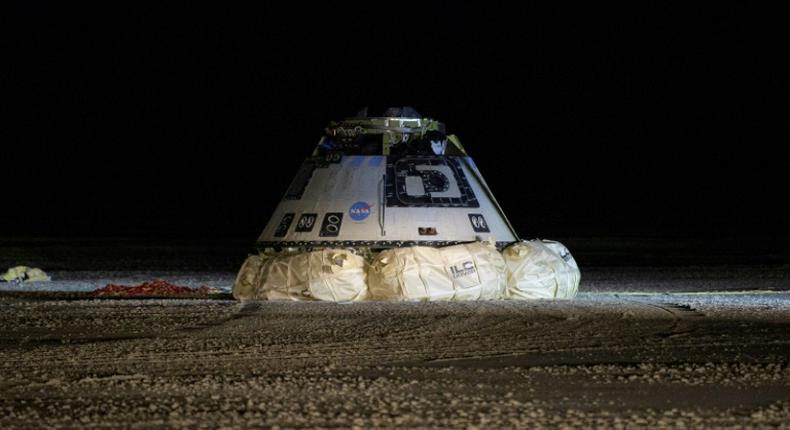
{"x": 183, "y": 123}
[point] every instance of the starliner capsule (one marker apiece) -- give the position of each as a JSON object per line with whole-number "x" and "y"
{"x": 391, "y": 207}
{"x": 386, "y": 181}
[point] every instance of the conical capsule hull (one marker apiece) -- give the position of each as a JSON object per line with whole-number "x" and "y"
{"x": 380, "y": 201}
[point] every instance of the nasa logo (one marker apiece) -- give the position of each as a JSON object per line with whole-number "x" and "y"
{"x": 359, "y": 211}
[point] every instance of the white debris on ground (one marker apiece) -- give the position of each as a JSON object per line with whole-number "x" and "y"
{"x": 24, "y": 274}
{"x": 86, "y": 281}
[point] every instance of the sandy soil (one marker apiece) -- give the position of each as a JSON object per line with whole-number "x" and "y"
{"x": 604, "y": 360}
{"x": 640, "y": 279}
{"x": 639, "y": 348}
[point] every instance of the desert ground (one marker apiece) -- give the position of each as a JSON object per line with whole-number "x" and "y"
{"x": 661, "y": 346}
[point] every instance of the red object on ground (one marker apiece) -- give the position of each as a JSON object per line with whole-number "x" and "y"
{"x": 157, "y": 287}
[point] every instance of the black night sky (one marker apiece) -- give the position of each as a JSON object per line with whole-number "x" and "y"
{"x": 183, "y": 123}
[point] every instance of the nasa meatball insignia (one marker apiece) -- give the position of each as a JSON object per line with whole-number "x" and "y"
{"x": 359, "y": 211}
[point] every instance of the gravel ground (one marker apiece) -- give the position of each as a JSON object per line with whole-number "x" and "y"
{"x": 604, "y": 360}
{"x": 652, "y": 279}
{"x": 658, "y": 337}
